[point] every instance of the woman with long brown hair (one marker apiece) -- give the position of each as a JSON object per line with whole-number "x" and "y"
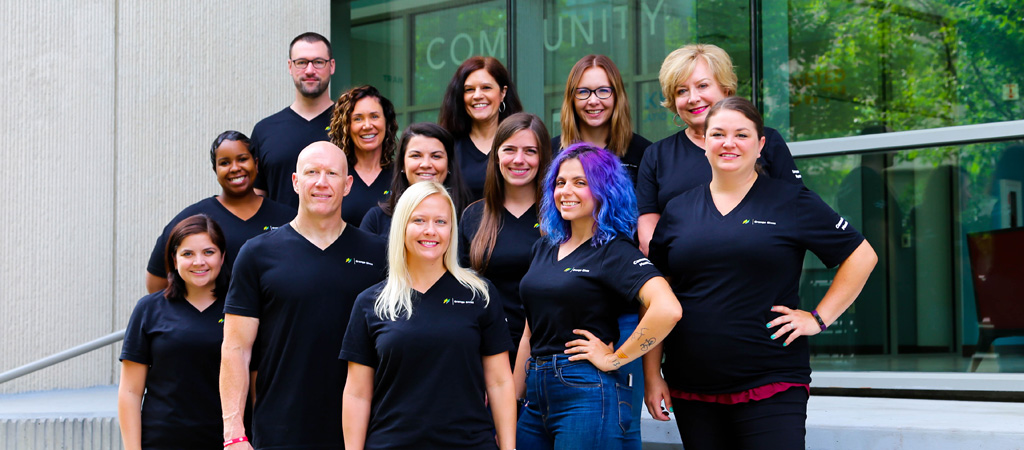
{"x": 497, "y": 232}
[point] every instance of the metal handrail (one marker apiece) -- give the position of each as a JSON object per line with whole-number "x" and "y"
{"x": 62, "y": 356}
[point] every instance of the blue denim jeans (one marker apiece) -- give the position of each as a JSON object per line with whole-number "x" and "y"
{"x": 573, "y": 405}
{"x": 627, "y": 325}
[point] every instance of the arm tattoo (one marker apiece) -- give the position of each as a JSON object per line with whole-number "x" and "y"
{"x": 648, "y": 344}
{"x": 639, "y": 333}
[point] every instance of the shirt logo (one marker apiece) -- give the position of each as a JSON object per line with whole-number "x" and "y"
{"x": 328, "y": 128}
{"x": 270, "y": 228}
{"x": 573, "y": 269}
{"x": 386, "y": 192}
{"x": 642, "y": 262}
{"x": 357, "y": 261}
{"x": 221, "y": 320}
{"x": 796, "y": 173}
{"x": 758, "y": 222}
{"x": 455, "y": 301}
{"x": 842, "y": 224}
{"x": 536, "y": 225}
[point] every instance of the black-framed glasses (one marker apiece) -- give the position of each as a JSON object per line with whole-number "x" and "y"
{"x": 318, "y": 63}
{"x": 602, "y": 93}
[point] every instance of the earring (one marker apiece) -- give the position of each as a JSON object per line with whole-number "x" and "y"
{"x": 675, "y": 119}
{"x": 501, "y": 107}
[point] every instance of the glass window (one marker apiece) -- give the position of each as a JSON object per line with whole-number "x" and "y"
{"x": 837, "y": 68}
{"x": 917, "y": 209}
{"x": 410, "y": 50}
{"x": 637, "y": 36}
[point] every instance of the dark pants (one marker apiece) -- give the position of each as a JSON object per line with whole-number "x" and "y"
{"x": 777, "y": 422}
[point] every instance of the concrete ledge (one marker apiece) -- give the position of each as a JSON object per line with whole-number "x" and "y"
{"x": 885, "y": 423}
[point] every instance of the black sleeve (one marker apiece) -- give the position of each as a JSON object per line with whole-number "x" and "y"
{"x": 627, "y": 269}
{"x": 494, "y": 337}
{"x": 358, "y": 345}
{"x": 778, "y": 160}
{"x": 468, "y": 226}
{"x": 156, "y": 265}
{"x": 243, "y": 297}
{"x": 647, "y": 183}
{"x": 136, "y": 346}
{"x": 261, "y": 179}
{"x": 369, "y": 222}
{"x": 823, "y": 231}
{"x": 657, "y": 251}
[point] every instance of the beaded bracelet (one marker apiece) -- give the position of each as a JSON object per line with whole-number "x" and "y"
{"x": 235, "y": 441}
{"x": 821, "y": 323}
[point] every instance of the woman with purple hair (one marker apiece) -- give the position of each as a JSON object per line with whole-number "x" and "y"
{"x": 583, "y": 268}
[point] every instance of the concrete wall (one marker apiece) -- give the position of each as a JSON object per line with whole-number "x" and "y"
{"x": 109, "y": 112}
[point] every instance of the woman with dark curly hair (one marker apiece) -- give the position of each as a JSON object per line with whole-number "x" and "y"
{"x": 479, "y": 96}
{"x": 365, "y": 127}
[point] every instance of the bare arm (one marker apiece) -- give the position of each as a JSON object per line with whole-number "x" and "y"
{"x": 846, "y": 286}
{"x": 236, "y": 353}
{"x": 645, "y": 230}
{"x": 129, "y": 403}
{"x": 522, "y": 359}
{"x": 155, "y": 283}
{"x": 502, "y": 397}
{"x": 663, "y": 311}
{"x": 355, "y": 405}
{"x": 655, "y": 389}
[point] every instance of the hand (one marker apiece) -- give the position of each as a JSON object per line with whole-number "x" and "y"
{"x": 655, "y": 394}
{"x": 796, "y": 322}
{"x": 591, "y": 349}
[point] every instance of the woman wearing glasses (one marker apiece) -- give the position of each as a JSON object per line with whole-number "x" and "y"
{"x": 596, "y": 110}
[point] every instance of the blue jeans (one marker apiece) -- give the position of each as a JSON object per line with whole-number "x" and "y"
{"x": 573, "y": 405}
{"x": 627, "y": 325}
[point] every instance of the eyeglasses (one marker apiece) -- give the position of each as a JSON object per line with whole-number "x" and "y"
{"x": 601, "y": 93}
{"x": 318, "y": 63}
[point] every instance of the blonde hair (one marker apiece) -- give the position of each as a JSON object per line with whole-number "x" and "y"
{"x": 395, "y": 299}
{"x": 620, "y": 124}
{"x": 679, "y": 65}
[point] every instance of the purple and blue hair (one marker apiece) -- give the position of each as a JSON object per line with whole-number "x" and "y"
{"x": 615, "y": 213}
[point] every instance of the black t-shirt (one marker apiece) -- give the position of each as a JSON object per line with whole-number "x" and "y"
{"x": 728, "y": 271}
{"x": 509, "y": 260}
{"x": 675, "y": 165}
{"x": 277, "y": 141}
{"x": 584, "y": 290}
{"x": 362, "y": 198}
{"x": 303, "y": 297}
{"x": 376, "y": 222}
{"x": 630, "y": 161}
{"x": 181, "y": 346}
{"x": 473, "y": 165}
{"x": 428, "y": 387}
{"x": 236, "y": 231}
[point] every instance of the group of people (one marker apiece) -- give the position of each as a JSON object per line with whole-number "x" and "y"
{"x": 475, "y": 283}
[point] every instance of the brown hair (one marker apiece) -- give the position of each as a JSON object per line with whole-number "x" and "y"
{"x": 341, "y": 118}
{"x": 453, "y": 116}
{"x": 197, "y": 224}
{"x": 620, "y": 123}
{"x": 494, "y": 187}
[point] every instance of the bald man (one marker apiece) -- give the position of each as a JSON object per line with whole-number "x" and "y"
{"x": 291, "y": 295}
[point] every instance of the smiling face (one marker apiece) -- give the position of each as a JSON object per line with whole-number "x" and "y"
{"x": 429, "y": 231}
{"x": 482, "y": 96}
{"x": 367, "y": 124}
{"x": 732, "y": 143}
{"x": 321, "y": 179}
{"x": 310, "y": 81}
{"x": 518, "y": 158}
{"x": 594, "y": 112}
{"x": 572, "y": 192}
{"x": 235, "y": 167}
{"x": 425, "y": 160}
{"x": 696, "y": 95}
{"x": 198, "y": 260}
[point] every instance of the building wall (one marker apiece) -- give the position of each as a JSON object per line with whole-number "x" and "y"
{"x": 110, "y": 110}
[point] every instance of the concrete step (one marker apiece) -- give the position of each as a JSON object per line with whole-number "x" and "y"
{"x": 87, "y": 419}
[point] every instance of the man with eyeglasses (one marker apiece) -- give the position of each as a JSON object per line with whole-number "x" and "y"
{"x": 278, "y": 139}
